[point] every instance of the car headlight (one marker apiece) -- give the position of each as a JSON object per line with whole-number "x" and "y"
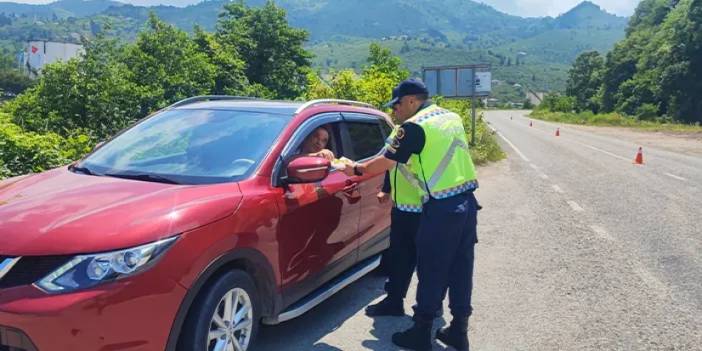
{"x": 86, "y": 271}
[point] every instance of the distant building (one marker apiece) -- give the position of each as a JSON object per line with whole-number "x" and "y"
{"x": 38, "y": 54}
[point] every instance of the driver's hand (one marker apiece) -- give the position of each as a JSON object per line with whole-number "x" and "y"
{"x": 327, "y": 154}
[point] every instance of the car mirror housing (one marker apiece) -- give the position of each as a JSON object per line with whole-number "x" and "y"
{"x": 307, "y": 169}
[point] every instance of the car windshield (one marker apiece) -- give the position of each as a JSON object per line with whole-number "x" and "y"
{"x": 189, "y": 146}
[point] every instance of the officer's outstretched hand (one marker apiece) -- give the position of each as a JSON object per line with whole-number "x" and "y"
{"x": 383, "y": 197}
{"x": 349, "y": 170}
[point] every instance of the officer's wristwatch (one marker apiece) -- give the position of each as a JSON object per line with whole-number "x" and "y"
{"x": 356, "y": 171}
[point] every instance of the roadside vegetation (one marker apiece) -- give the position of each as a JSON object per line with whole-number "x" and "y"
{"x": 651, "y": 80}
{"x": 74, "y": 105}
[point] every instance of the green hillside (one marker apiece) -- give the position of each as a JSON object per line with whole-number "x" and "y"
{"x": 531, "y": 51}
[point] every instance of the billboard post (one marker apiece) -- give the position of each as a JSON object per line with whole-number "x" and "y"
{"x": 459, "y": 82}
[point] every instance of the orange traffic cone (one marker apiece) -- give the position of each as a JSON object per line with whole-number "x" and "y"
{"x": 558, "y": 131}
{"x": 530, "y": 124}
{"x": 639, "y": 157}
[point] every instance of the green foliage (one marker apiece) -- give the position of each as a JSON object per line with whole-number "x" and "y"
{"x": 24, "y": 152}
{"x": 272, "y": 49}
{"x": 584, "y": 81}
{"x": 655, "y": 70}
{"x": 615, "y": 119}
{"x": 557, "y": 103}
{"x": 382, "y": 61}
{"x": 439, "y": 34}
{"x": 230, "y": 78}
{"x": 13, "y": 81}
{"x": 94, "y": 93}
{"x": 485, "y": 149}
{"x": 167, "y": 66}
{"x": 374, "y": 85}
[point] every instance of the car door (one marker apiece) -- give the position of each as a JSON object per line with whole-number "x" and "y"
{"x": 364, "y": 135}
{"x": 318, "y": 228}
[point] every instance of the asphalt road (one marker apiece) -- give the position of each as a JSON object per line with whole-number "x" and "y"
{"x": 579, "y": 250}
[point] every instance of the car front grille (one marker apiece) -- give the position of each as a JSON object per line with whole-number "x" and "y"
{"x": 30, "y": 269}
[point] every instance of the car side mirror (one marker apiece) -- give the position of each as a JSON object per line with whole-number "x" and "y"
{"x": 307, "y": 169}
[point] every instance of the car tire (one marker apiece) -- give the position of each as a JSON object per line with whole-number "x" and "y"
{"x": 209, "y": 325}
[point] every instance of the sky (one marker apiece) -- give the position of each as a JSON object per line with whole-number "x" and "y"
{"x": 539, "y": 8}
{"x": 523, "y": 8}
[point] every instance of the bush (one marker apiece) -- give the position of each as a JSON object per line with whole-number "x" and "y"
{"x": 647, "y": 112}
{"x": 24, "y": 152}
{"x": 486, "y": 149}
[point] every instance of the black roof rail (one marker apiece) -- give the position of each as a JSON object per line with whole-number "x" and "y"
{"x": 194, "y": 99}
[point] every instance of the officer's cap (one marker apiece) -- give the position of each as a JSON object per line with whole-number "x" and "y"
{"x": 407, "y": 87}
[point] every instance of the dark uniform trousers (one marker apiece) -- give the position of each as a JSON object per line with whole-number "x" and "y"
{"x": 402, "y": 254}
{"x": 445, "y": 253}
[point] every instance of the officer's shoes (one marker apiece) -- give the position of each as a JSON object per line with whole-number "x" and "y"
{"x": 456, "y": 335}
{"x": 386, "y": 307}
{"x": 417, "y": 338}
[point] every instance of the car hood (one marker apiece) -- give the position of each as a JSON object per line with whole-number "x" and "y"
{"x": 59, "y": 212}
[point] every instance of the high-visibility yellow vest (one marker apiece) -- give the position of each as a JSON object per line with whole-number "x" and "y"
{"x": 444, "y": 165}
{"x": 407, "y": 191}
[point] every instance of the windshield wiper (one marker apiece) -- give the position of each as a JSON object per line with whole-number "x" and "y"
{"x": 83, "y": 169}
{"x": 144, "y": 176}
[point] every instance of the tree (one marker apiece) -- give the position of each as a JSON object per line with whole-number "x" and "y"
{"x": 680, "y": 61}
{"x": 382, "y": 60}
{"x": 230, "y": 78}
{"x": 584, "y": 81}
{"x": 272, "y": 49}
{"x": 168, "y": 66}
{"x": 92, "y": 94}
{"x": 13, "y": 82}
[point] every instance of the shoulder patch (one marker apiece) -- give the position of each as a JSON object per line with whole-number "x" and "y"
{"x": 400, "y": 133}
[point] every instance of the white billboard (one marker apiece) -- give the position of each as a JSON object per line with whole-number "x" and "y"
{"x": 458, "y": 81}
{"x": 40, "y": 53}
{"x": 483, "y": 83}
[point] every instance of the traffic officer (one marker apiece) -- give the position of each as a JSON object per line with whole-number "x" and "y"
{"x": 432, "y": 144}
{"x": 400, "y": 259}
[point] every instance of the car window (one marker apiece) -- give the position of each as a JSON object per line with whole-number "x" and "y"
{"x": 366, "y": 139}
{"x": 192, "y": 146}
{"x": 333, "y": 144}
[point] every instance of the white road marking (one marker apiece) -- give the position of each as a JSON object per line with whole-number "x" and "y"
{"x": 676, "y": 177}
{"x": 543, "y": 176}
{"x": 603, "y": 151}
{"x": 533, "y": 166}
{"x": 557, "y": 189}
{"x": 574, "y": 205}
{"x": 601, "y": 232}
{"x": 513, "y": 147}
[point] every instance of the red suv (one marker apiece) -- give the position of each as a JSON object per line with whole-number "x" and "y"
{"x": 190, "y": 228}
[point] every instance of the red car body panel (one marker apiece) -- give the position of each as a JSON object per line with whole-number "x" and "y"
{"x": 298, "y": 231}
{"x": 59, "y": 212}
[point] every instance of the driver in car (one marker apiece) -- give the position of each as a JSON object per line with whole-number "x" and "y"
{"x": 315, "y": 144}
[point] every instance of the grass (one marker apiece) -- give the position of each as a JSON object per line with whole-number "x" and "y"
{"x": 614, "y": 120}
